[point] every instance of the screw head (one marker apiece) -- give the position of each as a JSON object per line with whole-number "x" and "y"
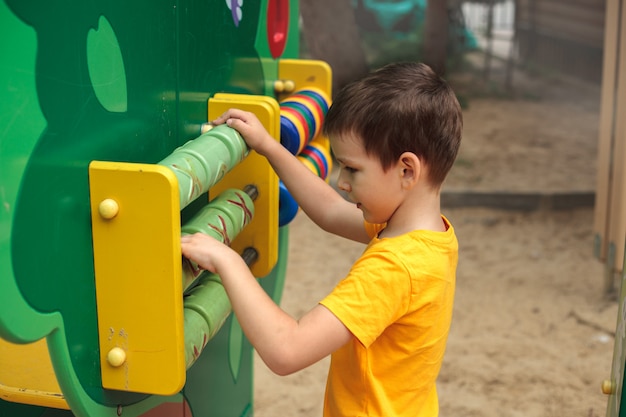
{"x": 116, "y": 357}
{"x": 108, "y": 208}
{"x": 608, "y": 387}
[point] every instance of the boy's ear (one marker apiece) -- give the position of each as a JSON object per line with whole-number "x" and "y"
{"x": 411, "y": 169}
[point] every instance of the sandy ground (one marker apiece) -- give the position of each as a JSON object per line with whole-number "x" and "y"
{"x": 533, "y": 330}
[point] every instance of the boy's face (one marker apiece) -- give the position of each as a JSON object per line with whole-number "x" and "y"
{"x": 375, "y": 192}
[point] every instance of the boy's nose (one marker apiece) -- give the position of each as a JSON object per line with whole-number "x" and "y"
{"x": 342, "y": 184}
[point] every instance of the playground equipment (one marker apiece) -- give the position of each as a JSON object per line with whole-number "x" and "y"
{"x": 401, "y": 18}
{"x": 106, "y": 158}
{"x": 610, "y": 206}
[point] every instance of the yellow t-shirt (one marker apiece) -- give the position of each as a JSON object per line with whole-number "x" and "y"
{"x": 397, "y": 302}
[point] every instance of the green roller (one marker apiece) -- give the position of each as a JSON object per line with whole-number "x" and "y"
{"x": 201, "y": 163}
{"x": 206, "y": 309}
{"x": 223, "y": 219}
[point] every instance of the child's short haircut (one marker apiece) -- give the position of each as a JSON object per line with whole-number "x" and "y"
{"x": 402, "y": 107}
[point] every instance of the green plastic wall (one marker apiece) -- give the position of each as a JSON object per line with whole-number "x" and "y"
{"x": 124, "y": 81}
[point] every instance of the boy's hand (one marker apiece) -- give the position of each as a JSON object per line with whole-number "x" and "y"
{"x": 206, "y": 251}
{"x": 249, "y": 126}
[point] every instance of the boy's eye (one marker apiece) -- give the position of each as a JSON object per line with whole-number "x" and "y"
{"x": 349, "y": 169}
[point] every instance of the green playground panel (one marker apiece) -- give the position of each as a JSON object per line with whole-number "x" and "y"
{"x": 116, "y": 81}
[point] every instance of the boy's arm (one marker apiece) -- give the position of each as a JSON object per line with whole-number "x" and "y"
{"x": 325, "y": 206}
{"x": 286, "y": 345}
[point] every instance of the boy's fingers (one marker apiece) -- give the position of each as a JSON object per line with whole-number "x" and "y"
{"x": 230, "y": 114}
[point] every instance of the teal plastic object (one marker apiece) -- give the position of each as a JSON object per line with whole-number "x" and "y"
{"x": 121, "y": 81}
{"x": 403, "y": 17}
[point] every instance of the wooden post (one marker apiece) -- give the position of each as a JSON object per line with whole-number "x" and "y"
{"x": 609, "y": 218}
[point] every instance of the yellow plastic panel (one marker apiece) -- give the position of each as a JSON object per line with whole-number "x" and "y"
{"x": 27, "y": 376}
{"x": 306, "y": 73}
{"x": 137, "y": 259}
{"x": 262, "y": 232}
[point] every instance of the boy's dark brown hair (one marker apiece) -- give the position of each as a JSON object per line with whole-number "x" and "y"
{"x": 402, "y": 107}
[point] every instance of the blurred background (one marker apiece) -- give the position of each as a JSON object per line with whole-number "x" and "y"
{"x": 536, "y": 197}
{"x": 541, "y": 36}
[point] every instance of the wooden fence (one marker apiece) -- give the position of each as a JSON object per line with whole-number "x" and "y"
{"x": 562, "y": 35}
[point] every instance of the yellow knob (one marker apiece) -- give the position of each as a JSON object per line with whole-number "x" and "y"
{"x": 608, "y": 387}
{"x": 289, "y": 86}
{"x": 116, "y": 357}
{"x": 279, "y": 86}
{"x": 108, "y": 208}
{"x": 206, "y": 127}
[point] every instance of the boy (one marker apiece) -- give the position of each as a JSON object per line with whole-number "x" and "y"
{"x": 395, "y": 135}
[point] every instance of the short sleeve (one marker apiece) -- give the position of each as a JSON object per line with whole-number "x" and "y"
{"x": 374, "y": 295}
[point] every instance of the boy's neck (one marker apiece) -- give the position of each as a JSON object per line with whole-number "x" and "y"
{"x": 419, "y": 211}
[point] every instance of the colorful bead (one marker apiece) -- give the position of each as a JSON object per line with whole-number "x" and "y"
{"x": 301, "y": 118}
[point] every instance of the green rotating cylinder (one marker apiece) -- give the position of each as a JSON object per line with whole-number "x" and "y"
{"x": 206, "y": 304}
{"x": 206, "y": 309}
{"x": 201, "y": 163}
{"x": 223, "y": 218}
